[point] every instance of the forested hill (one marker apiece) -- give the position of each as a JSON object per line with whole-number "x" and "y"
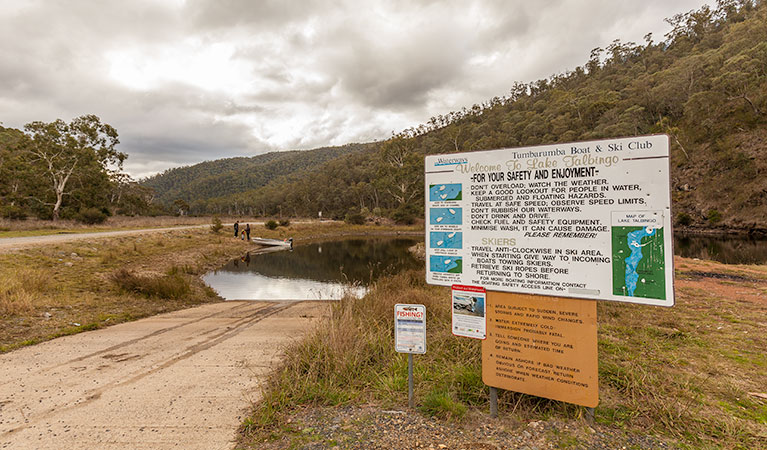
{"x": 704, "y": 84}
{"x": 199, "y": 184}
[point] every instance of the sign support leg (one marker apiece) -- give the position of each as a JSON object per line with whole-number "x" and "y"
{"x": 493, "y": 402}
{"x": 410, "y": 399}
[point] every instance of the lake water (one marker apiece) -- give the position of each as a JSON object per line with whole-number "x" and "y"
{"x": 725, "y": 249}
{"x": 324, "y": 271}
{"x": 320, "y": 271}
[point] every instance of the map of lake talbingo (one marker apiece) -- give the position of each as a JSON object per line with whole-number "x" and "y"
{"x": 638, "y": 262}
{"x": 445, "y": 192}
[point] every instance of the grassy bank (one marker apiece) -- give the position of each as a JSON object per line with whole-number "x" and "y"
{"x": 63, "y": 289}
{"x": 686, "y": 374}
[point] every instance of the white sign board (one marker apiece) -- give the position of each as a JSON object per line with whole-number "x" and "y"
{"x": 410, "y": 328}
{"x": 584, "y": 220}
{"x": 468, "y": 311}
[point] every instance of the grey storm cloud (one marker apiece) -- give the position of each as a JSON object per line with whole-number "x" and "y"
{"x": 187, "y": 81}
{"x": 265, "y": 14}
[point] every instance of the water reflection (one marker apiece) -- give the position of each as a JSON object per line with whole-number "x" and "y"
{"x": 725, "y": 249}
{"x": 312, "y": 272}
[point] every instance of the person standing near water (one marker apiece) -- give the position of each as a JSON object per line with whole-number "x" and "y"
{"x": 247, "y": 231}
{"x": 236, "y": 228}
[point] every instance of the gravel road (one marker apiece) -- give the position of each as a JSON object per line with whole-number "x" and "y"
{"x": 178, "y": 380}
{"x": 16, "y": 243}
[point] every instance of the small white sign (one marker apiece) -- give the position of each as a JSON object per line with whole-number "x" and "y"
{"x": 468, "y": 309}
{"x": 410, "y": 328}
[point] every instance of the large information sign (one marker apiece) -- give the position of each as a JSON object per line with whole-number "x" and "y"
{"x": 585, "y": 220}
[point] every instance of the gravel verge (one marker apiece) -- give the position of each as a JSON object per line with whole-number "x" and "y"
{"x": 373, "y": 428}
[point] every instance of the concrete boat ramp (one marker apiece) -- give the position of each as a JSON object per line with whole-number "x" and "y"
{"x": 179, "y": 380}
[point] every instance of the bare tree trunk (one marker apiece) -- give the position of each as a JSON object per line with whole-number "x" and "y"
{"x": 756, "y": 110}
{"x": 681, "y": 146}
{"x": 59, "y": 184}
{"x": 56, "y": 206}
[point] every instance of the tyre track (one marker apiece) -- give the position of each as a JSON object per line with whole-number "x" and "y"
{"x": 124, "y": 344}
{"x": 215, "y": 339}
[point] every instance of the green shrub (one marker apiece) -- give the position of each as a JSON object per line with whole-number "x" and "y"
{"x": 216, "y": 225}
{"x": 13, "y": 212}
{"x": 91, "y": 216}
{"x": 441, "y": 404}
{"x": 271, "y": 224}
{"x": 354, "y": 218}
{"x": 683, "y": 219}
{"x": 284, "y": 222}
{"x": 714, "y": 217}
{"x": 403, "y": 217}
{"x": 171, "y": 286}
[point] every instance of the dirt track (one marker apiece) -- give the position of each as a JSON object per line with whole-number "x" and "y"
{"x": 177, "y": 380}
{"x": 15, "y": 243}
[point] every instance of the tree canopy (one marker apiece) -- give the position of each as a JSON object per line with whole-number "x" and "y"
{"x": 58, "y": 169}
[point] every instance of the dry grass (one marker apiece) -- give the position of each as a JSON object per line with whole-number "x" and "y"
{"x": 69, "y": 289}
{"x": 115, "y": 222}
{"x": 170, "y": 286}
{"x": 169, "y": 221}
{"x": 688, "y": 370}
{"x": 46, "y": 291}
{"x": 22, "y": 290}
{"x": 35, "y": 227}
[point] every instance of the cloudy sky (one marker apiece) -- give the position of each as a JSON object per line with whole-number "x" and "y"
{"x": 188, "y": 81}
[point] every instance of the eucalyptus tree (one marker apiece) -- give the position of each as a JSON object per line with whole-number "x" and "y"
{"x": 83, "y": 149}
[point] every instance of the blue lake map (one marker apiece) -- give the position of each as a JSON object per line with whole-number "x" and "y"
{"x": 445, "y": 192}
{"x": 445, "y": 216}
{"x": 446, "y": 239}
{"x": 445, "y": 264}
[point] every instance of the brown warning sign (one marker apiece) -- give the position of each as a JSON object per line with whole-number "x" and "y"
{"x": 541, "y": 345}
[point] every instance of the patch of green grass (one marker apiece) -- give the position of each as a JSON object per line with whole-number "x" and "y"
{"x": 563, "y": 439}
{"x": 746, "y": 408}
{"x": 442, "y": 404}
{"x": 745, "y": 358}
{"x": 15, "y": 345}
{"x": 619, "y": 415}
{"x": 68, "y": 331}
{"x": 469, "y": 386}
{"x": 393, "y": 382}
